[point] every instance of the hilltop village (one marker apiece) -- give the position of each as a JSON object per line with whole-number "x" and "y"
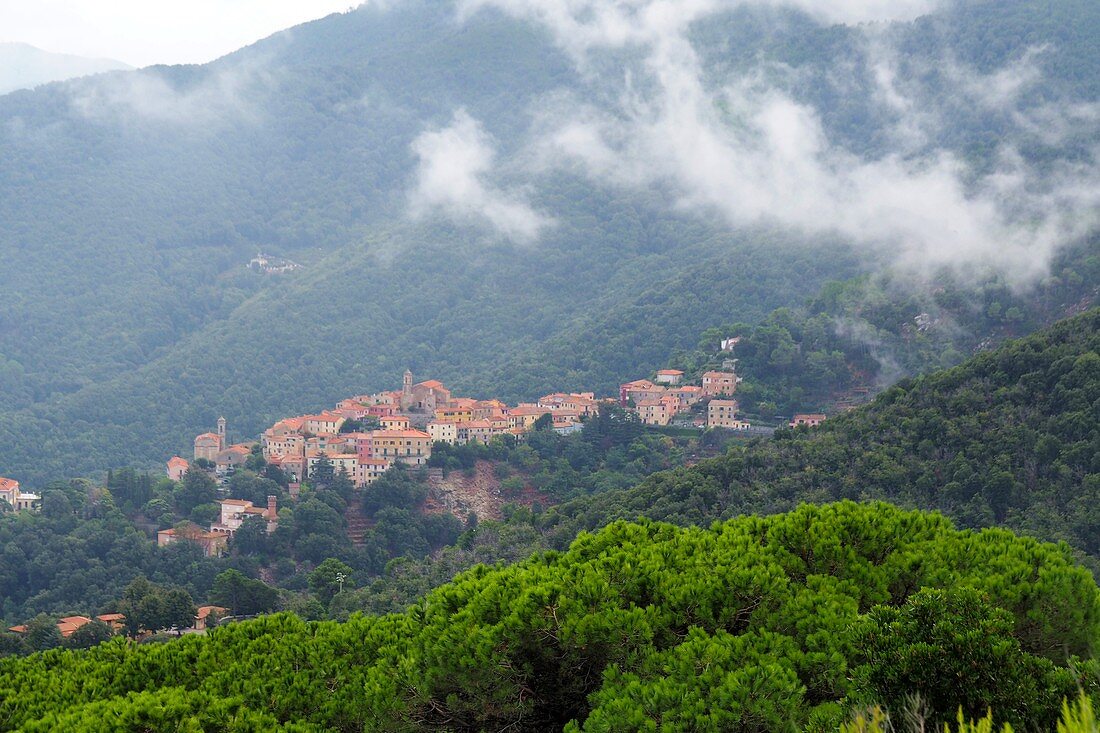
{"x": 365, "y": 435}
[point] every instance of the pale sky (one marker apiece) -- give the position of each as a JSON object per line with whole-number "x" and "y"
{"x": 144, "y": 32}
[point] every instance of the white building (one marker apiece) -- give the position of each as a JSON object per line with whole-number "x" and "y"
{"x": 19, "y": 500}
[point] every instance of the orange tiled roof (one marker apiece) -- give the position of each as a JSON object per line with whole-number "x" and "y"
{"x": 670, "y": 372}
{"x": 401, "y": 434}
{"x": 719, "y": 375}
{"x": 204, "y": 611}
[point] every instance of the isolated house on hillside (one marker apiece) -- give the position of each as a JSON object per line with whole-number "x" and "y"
{"x": 669, "y": 376}
{"x": 176, "y": 467}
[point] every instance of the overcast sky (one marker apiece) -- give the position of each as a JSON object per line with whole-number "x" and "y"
{"x": 144, "y": 32}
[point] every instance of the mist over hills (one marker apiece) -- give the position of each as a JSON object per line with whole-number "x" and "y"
{"x": 23, "y": 66}
{"x": 514, "y": 197}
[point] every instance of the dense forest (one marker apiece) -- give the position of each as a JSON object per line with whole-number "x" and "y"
{"x": 756, "y": 624}
{"x": 159, "y": 185}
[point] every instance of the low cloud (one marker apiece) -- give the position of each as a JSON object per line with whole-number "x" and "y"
{"x": 749, "y": 151}
{"x": 453, "y": 180}
{"x": 220, "y": 95}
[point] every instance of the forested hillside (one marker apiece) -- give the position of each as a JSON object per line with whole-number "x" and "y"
{"x": 1009, "y": 438}
{"x": 131, "y": 202}
{"x": 758, "y": 624}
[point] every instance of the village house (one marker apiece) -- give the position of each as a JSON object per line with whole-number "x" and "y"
{"x": 176, "y": 467}
{"x": 208, "y": 445}
{"x": 348, "y": 462}
{"x": 811, "y": 420}
{"x": 489, "y": 410}
{"x": 207, "y": 615}
{"x": 584, "y": 403}
{"x": 230, "y": 459}
{"x": 669, "y": 376}
{"x": 325, "y": 423}
{"x": 443, "y": 432}
{"x": 395, "y": 422}
{"x": 18, "y": 500}
{"x": 213, "y": 544}
{"x": 292, "y": 466}
{"x": 69, "y": 624}
{"x": 411, "y": 447}
{"x": 719, "y": 383}
{"x": 474, "y": 431}
{"x": 454, "y": 413}
{"x": 367, "y": 470}
{"x": 723, "y": 414}
{"x": 686, "y": 395}
{"x": 524, "y": 416}
{"x": 639, "y": 390}
{"x": 651, "y": 412}
{"x": 352, "y": 409}
{"x": 235, "y": 512}
{"x": 284, "y": 438}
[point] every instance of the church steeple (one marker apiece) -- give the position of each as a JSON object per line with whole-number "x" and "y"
{"x": 407, "y": 384}
{"x": 221, "y": 433}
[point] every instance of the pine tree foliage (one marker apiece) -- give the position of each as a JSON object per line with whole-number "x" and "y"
{"x": 756, "y": 624}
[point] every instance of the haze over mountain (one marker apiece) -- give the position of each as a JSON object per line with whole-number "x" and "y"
{"x": 511, "y": 196}
{"x": 23, "y": 66}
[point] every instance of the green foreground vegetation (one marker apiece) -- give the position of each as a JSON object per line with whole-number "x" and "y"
{"x": 786, "y": 622}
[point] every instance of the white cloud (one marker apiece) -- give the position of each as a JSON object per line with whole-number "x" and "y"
{"x": 225, "y": 95}
{"x": 753, "y": 154}
{"x": 452, "y": 179}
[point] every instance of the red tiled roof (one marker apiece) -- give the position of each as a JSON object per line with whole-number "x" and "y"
{"x": 400, "y": 434}
{"x": 177, "y": 461}
{"x": 670, "y": 372}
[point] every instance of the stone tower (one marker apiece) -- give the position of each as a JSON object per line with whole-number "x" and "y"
{"x": 221, "y": 433}
{"x": 407, "y": 384}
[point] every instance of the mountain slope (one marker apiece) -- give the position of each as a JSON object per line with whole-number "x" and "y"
{"x": 23, "y": 66}
{"x": 132, "y": 201}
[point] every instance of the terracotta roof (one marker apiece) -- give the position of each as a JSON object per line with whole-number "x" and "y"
{"x": 400, "y": 434}
{"x": 8, "y": 484}
{"x": 719, "y": 375}
{"x": 235, "y": 502}
{"x": 75, "y": 620}
{"x": 432, "y": 384}
{"x": 215, "y": 436}
{"x": 476, "y": 424}
{"x": 20, "y": 629}
{"x": 109, "y": 617}
{"x": 670, "y": 372}
{"x": 528, "y": 410}
{"x": 177, "y": 461}
{"x": 204, "y": 611}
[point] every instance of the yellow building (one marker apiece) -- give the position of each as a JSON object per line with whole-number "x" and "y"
{"x": 723, "y": 414}
{"x": 411, "y": 447}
